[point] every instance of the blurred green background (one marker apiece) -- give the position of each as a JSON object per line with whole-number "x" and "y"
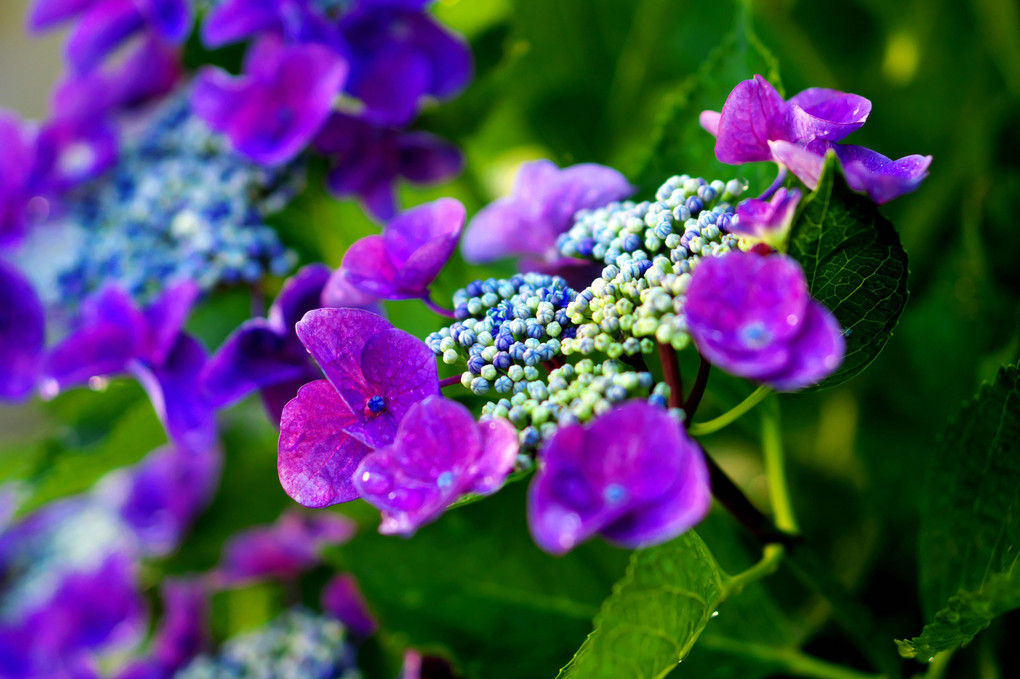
{"x": 596, "y": 80}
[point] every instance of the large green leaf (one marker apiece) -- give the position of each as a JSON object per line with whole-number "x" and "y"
{"x": 655, "y": 614}
{"x": 854, "y": 265}
{"x": 475, "y": 583}
{"x": 970, "y": 532}
{"x": 679, "y": 143}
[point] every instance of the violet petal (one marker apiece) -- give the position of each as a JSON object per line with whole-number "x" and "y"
{"x": 71, "y": 151}
{"x": 881, "y": 178}
{"x": 819, "y": 113}
{"x": 817, "y": 352}
{"x": 342, "y": 598}
{"x": 103, "y": 27}
{"x": 45, "y": 14}
{"x": 753, "y": 115}
{"x": 336, "y": 339}
{"x": 170, "y": 19}
{"x": 22, "y": 334}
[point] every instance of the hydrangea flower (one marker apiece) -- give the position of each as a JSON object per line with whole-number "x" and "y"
{"x": 266, "y": 354}
{"x": 71, "y": 151}
{"x": 412, "y": 250}
{"x": 282, "y": 550}
{"x": 766, "y": 221}
{"x": 374, "y": 374}
{"x": 277, "y": 105}
{"x": 182, "y": 634}
{"x": 399, "y": 55}
{"x": 541, "y": 207}
{"x": 439, "y": 454}
{"x": 22, "y": 334}
{"x": 342, "y": 598}
{"x": 756, "y": 124}
{"x": 632, "y": 475}
{"x": 367, "y": 160}
{"x": 115, "y": 336}
{"x": 753, "y": 317}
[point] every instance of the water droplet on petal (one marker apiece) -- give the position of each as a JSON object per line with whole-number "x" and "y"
{"x": 375, "y": 482}
{"x": 445, "y": 480}
{"x": 98, "y": 383}
{"x": 792, "y": 319}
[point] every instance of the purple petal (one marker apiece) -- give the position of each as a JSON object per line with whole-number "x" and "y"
{"x": 881, "y": 178}
{"x": 166, "y": 317}
{"x": 425, "y": 469}
{"x": 449, "y": 55}
{"x": 316, "y": 456}
{"x": 112, "y": 333}
{"x": 500, "y": 446}
{"x": 768, "y": 222}
{"x": 161, "y": 497}
{"x": 22, "y": 334}
{"x": 391, "y": 87}
{"x": 427, "y": 159}
{"x": 275, "y": 397}
{"x": 817, "y": 353}
{"x": 45, "y": 14}
{"x": 272, "y": 114}
{"x": 282, "y": 550}
{"x": 367, "y": 267}
{"x": 300, "y": 294}
{"x": 173, "y": 388}
{"x": 236, "y": 20}
{"x": 16, "y": 161}
{"x": 420, "y": 240}
{"x": 105, "y": 25}
{"x": 253, "y": 357}
{"x": 339, "y": 293}
{"x": 753, "y": 115}
{"x": 399, "y": 369}
{"x": 150, "y": 71}
{"x": 819, "y": 113}
{"x": 805, "y": 162}
{"x": 632, "y": 474}
{"x": 171, "y": 19}
{"x": 365, "y": 162}
{"x": 183, "y": 632}
{"x": 498, "y": 230}
{"x": 342, "y": 598}
{"x": 71, "y": 151}
{"x": 336, "y": 339}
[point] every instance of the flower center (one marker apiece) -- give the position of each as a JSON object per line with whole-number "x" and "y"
{"x": 755, "y": 335}
{"x": 376, "y": 405}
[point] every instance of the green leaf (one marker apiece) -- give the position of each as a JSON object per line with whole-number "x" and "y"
{"x": 854, "y": 265}
{"x": 970, "y": 535}
{"x": 680, "y": 144}
{"x": 655, "y": 614}
{"x": 475, "y": 583}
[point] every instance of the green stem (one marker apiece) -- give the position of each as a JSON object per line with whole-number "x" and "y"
{"x": 789, "y": 660}
{"x": 771, "y": 556}
{"x": 775, "y": 468}
{"x": 937, "y": 668}
{"x": 731, "y": 416}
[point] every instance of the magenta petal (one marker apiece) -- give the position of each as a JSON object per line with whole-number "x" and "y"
{"x": 336, "y": 338}
{"x": 500, "y": 445}
{"x": 299, "y": 295}
{"x": 368, "y": 268}
{"x": 498, "y": 230}
{"x": 427, "y": 466}
{"x": 342, "y": 598}
{"x": 805, "y": 163}
{"x": 710, "y": 121}
{"x": 16, "y": 161}
{"x": 339, "y": 293}
{"x": 235, "y": 20}
{"x": 753, "y": 114}
{"x": 817, "y": 352}
{"x": 275, "y": 397}
{"x": 881, "y": 178}
{"x": 104, "y": 26}
{"x": 183, "y": 632}
{"x": 316, "y": 456}
{"x": 769, "y": 221}
{"x": 819, "y": 113}
{"x": 22, "y": 334}
{"x": 422, "y": 225}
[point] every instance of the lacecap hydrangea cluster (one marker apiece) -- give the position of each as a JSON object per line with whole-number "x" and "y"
{"x": 299, "y": 644}
{"x": 512, "y": 335}
{"x": 179, "y": 205}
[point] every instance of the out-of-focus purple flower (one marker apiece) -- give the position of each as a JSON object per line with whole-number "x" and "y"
{"x": 161, "y": 496}
{"x": 418, "y": 666}
{"x": 632, "y": 475}
{"x": 753, "y": 317}
{"x": 375, "y": 373}
{"x": 756, "y": 124}
{"x": 115, "y": 336}
{"x": 294, "y": 20}
{"x": 22, "y": 334}
{"x": 16, "y": 162}
{"x": 368, "y": 159}
{"x": 412, "y": 250}
{"x": 272, "y": 111}
{"x": 151, "y": 70}
{"x": 866, "y": 171}
{"x": 439, "y": 454}
{"x": 71, "y": 151}
{"x": 182, "y": 634}
{"x": 542, "y": 206}
{"x": 266, "y": 354}
{"x": 766, "y": 221}
{"x": 281, "y": 550}
{"x": 400, "y": 55}
{"x": 342, "y": 598}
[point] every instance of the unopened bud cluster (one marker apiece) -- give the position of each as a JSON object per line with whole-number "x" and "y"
{"x": 297, "y": 645}
{"x": 650, "y": 249}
